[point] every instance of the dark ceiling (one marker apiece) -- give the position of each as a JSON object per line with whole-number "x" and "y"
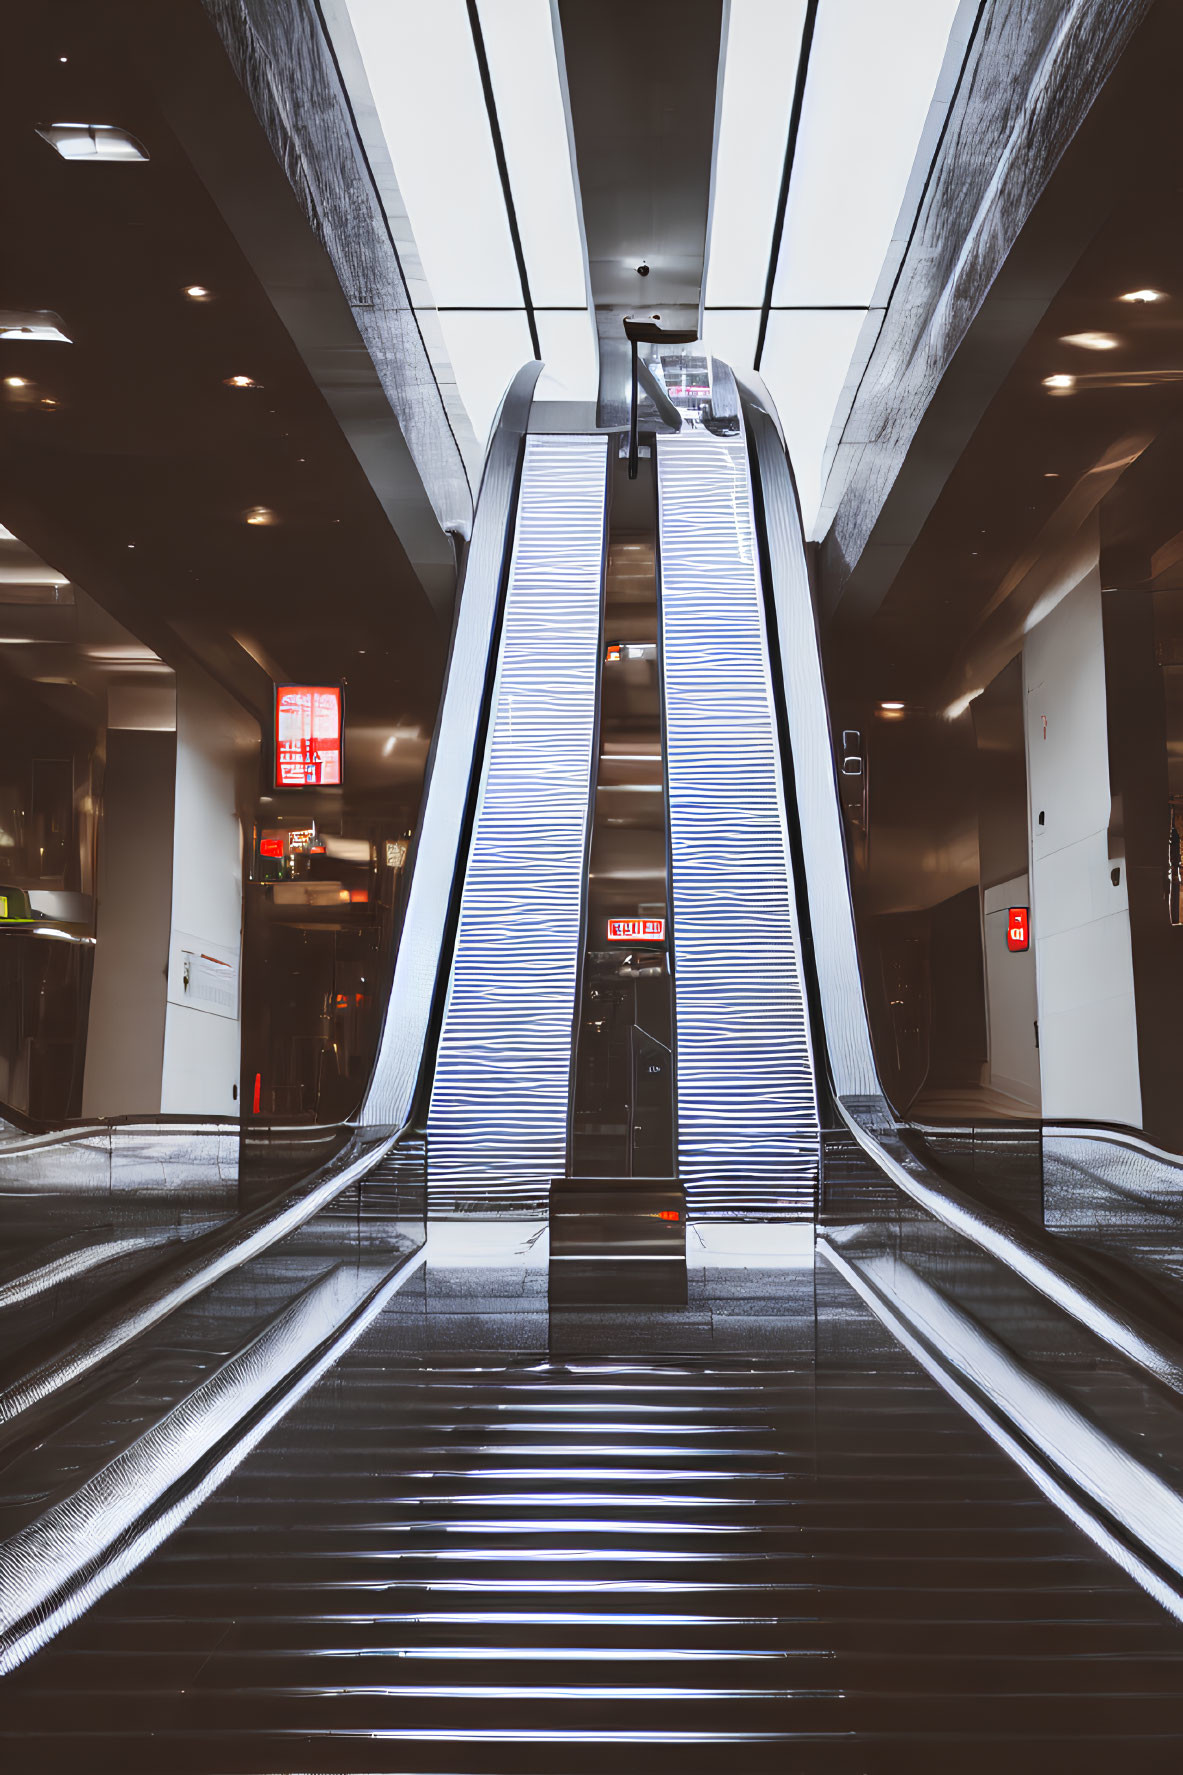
{"x": 126, "y": 461}
{"x": 1043, "y": 458}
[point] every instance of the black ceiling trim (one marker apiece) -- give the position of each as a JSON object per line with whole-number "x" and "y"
{"x": 782, "y": 202}
{"x": 478, "y": 42}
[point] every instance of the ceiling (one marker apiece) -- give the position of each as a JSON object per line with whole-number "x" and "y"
{"x": 663, "y": 132}
{"x": 128, "y": 463}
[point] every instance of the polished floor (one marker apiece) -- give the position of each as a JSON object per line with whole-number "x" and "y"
{"x": 493, "y": 1542}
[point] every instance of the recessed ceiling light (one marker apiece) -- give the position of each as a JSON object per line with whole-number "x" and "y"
{"x": 1092, "y": 341}
{"x": 1143, "y": 296}
{"x": 198, "y": 293}
{"x": 261, "y": 514}
{"x": 892, "y": 708}
{"x": 1061, "y": 382}
{"x": 92, "y": 141}
{"x": 17, "y": 382}
{"x": 1051, "y": 474}
{"x": 46, "y": 401}
{"x": 33, "y": 325}
{"x": 241, "y": 382}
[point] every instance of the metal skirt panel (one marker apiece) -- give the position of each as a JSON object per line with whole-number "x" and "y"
{"x": 497, "y": 1127}
{"x": 839, "y": 976}
{"x": 746, "y": 1103}
{"x": 391, "y": 1097}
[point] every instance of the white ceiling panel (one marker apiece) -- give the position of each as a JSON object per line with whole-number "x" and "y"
{"x": 762, "y": 45}
{"x": 806, "y": 357}
{"x": 523, "y": 68}
{"x": 731, "y": 335}
{"x": 872, "y": 73}
{"x": 423, "y": 73}
{"x": 568, "y": 343}
{"x": 486, "y": 351}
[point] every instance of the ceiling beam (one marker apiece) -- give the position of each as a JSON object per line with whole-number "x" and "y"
{"x": 1012, "y": 200}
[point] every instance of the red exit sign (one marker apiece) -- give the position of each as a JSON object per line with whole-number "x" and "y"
{"x": 1018, "y": 928}
{"x": 636, "y": 930}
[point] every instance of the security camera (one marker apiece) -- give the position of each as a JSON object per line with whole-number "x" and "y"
{"x": 642, "y": 269}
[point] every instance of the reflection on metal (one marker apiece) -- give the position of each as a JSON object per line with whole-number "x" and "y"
{"x": 616, "y": 1239}
{"x": 497, "y": 1127}
{"x": 747, "y": 1113}
{"x": 1033, "y": 1256}
{"x": 79, "y": 1548}
{"x": 72, "y": 1258}
{"x": 392, "y": 1090}
{"x": 226, "y": 1249}
{"x": 848, "y": 1041}
{"x": 1023, "y": 1414}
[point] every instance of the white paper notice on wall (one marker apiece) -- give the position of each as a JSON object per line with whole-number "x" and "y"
{"x": 203, "y": 975}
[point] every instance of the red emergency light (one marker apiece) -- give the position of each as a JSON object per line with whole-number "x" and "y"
{"x": 1018, "y": 928}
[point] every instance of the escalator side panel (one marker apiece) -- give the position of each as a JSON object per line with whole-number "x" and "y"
{"x": 390, "y": 1099}
{"x": 497, "y": 1127}
{"x": 747, "y": 1109}
{"x": 848, "y": 1040}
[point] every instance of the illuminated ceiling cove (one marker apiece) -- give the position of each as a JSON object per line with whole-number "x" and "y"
{"x": 875, "y": 83}
{"x": 428, "y": 100}
{"x": 441, "y": 90}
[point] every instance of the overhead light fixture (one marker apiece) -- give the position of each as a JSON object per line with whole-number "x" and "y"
{"x": 1092, "y": 341}
{"x": 261, "y": 515}
{"x": 1060, "y": 384}
{"x": 198, "y": 293}
{"x": 891, "y": 708}
{"x": 92, "y": 141}
{"x": 17, "y": 382}
{"x": 1143, "y": 296}
{"x": 241, "y": 382}
{"x": 33, "y": 325}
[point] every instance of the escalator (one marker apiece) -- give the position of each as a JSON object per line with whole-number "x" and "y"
{"x": 772, "y": 1438}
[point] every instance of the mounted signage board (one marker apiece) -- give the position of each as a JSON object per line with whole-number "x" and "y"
{"x": 636, "y": 930}
{"x": 1018, "y": 928}
{"x": 308, "y": 735}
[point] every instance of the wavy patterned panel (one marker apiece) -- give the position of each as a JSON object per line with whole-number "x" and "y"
{"x": 747, "y": 1113}
{"x": 497, "y": 1129}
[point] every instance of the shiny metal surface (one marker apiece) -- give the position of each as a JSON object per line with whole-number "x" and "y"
{"x": 835, "y": 952}
{"x": 617, "y": 1239}
{"x": 462, "y": 1559}
{"x": 394, "y": 1083}
{"x": 497, "y": 1125}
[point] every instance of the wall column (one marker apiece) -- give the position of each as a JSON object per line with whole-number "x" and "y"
{"x": 216, "y": 764}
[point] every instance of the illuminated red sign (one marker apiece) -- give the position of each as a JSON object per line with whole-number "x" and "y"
{"x": 307, "y": 735}
{"x": 1018, "y": 928}
{"x": 636, "y": 930}
{"x": 271, "y": 847}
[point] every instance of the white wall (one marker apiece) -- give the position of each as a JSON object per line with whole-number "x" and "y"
{"x": 125, "y": 1023}
{"x": 1080, "y": 920}
{"x": 217, "y": 744}
{"x": 1012, "y": 1006}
